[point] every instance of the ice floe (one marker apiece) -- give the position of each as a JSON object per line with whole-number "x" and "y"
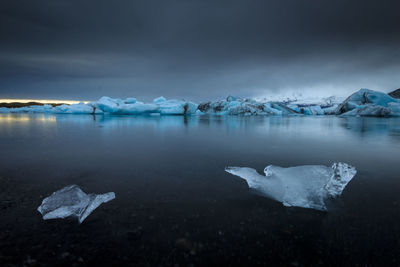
{"x": 307, "y": 186}
{"x": 72, "y": 201}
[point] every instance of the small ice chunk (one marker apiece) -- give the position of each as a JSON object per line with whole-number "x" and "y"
{"x": 305, "y": 186}
{"x": 159, "y": 100}
{"x": 72, "y": 201}
{"x": 130, "y": 100}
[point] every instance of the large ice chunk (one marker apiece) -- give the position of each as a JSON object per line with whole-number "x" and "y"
{"x": 130, "y": 106}
{"x": 365, "y": 97}
{"x": 80, "y": 108}
{"x": 171, "y": 107}
{"x": 237, "y": 106}
{"x": 175, "y": 107}
{"x": 307, "y": 186}
{"x": 72, "y": 201}
{"x": 29, "y": 109}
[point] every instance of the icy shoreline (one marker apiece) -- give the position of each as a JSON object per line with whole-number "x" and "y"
{"x": 364, "y": 102}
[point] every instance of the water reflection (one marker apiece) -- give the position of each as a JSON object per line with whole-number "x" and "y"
{"x": 289, "y": 126}
{"x": 26, "y": 118}
{"x": 374, "y": 126}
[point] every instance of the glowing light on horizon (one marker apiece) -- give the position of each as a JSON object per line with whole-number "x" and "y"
{"x": 42, "y": 101}
{"x": 26, "y": 118}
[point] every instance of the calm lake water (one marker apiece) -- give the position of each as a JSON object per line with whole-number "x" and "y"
{"x": 175, "y": 204}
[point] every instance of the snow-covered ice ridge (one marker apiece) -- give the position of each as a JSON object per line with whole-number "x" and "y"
{"x": 364, "y": 102}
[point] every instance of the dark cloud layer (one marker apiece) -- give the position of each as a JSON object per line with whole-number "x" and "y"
{"x": 197, "y": 49}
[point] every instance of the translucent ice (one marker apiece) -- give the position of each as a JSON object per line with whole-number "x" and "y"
{"x": 72, "y": 201}
{"x": 307, "y": 186}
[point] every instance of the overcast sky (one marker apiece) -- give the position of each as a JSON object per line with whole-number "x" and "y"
{"x": 197, "y": 49}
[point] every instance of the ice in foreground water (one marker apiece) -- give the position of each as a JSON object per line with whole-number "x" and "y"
{"x": 307, "y": 186}
{"x": 72, "y": 201}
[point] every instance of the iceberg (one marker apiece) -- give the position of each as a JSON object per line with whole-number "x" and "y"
{"x": 80, "y": 108}
{"x": 127, "y": 107}
{"x": 237, "y": 106}
{"x": 367, "y": 103}
{"x": 308, "y": 186}
{"x": 72, "y": 201}
{"x": 131, "y": 106}
{"x": 29, "y": 109}
{"x": 175, "y": 107}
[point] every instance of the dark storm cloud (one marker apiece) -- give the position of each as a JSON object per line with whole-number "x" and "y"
{"x": 196, "y": 49}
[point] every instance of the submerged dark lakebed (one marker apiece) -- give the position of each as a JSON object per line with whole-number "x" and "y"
{"x": 175, "y": 204}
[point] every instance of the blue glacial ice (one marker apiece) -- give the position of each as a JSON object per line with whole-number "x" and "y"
{"x": 175, "y": 107}
{"x": 367, "y": 102}
{"x": 72, "y": 201}
{"x": 127, "y": 107}
{"x": 308, "y": 186}
{"x": 364, "y": 102}
{"x": 80, "y": 108}
{"x": 30, "y": 109}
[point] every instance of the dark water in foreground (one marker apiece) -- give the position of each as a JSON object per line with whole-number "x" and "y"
{"x": 174, "y": 203}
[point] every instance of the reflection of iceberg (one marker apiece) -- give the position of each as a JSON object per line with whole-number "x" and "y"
{"x": 305, "y": 186}
{"x": 72, "y": 201}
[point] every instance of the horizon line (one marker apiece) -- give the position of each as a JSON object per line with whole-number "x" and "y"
{"x": 42, "y": 101}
